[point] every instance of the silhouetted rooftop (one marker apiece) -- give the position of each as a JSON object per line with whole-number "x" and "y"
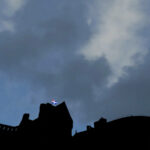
{"x": 55, "y": 124}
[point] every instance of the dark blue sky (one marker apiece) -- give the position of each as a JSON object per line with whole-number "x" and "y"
{"x": 92, "y": 54}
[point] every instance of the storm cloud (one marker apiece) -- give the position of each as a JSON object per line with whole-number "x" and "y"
{"x": 67, "y": 50}
{"x": 117, "y": 37}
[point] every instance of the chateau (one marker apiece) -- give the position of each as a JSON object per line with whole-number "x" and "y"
{"x": 53, "y": 128}
{"x": 54, "y": 123}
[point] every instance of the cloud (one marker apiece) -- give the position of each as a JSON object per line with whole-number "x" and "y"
{"x": 39, "y": 61}
{"x": 117, "y": 37}
{"x": 6, "y": 26}
{"x": 42, "y": 53}
{"x": 131, "y": 95}
{"x": 8, "y": 9}
{"x": 12, "y": 6}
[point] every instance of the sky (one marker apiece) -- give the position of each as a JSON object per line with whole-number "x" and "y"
{"x": 94, "y": 55}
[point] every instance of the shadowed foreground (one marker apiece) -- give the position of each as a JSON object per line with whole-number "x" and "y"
{"x": 53, "y": 128}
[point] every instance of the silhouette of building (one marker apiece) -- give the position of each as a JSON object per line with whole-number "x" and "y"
{"x": 53, "y": 127}
{"x": 128, "y": 131}
{"x": 53, "y": 124}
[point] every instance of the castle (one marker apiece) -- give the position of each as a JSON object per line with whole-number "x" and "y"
{"x": 54, "y": 123}
{"x": 53, "y": 127}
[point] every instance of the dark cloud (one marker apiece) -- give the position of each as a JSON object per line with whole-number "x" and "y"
{"x": 129, "y": 97}
{"x": 42, "y": 54}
